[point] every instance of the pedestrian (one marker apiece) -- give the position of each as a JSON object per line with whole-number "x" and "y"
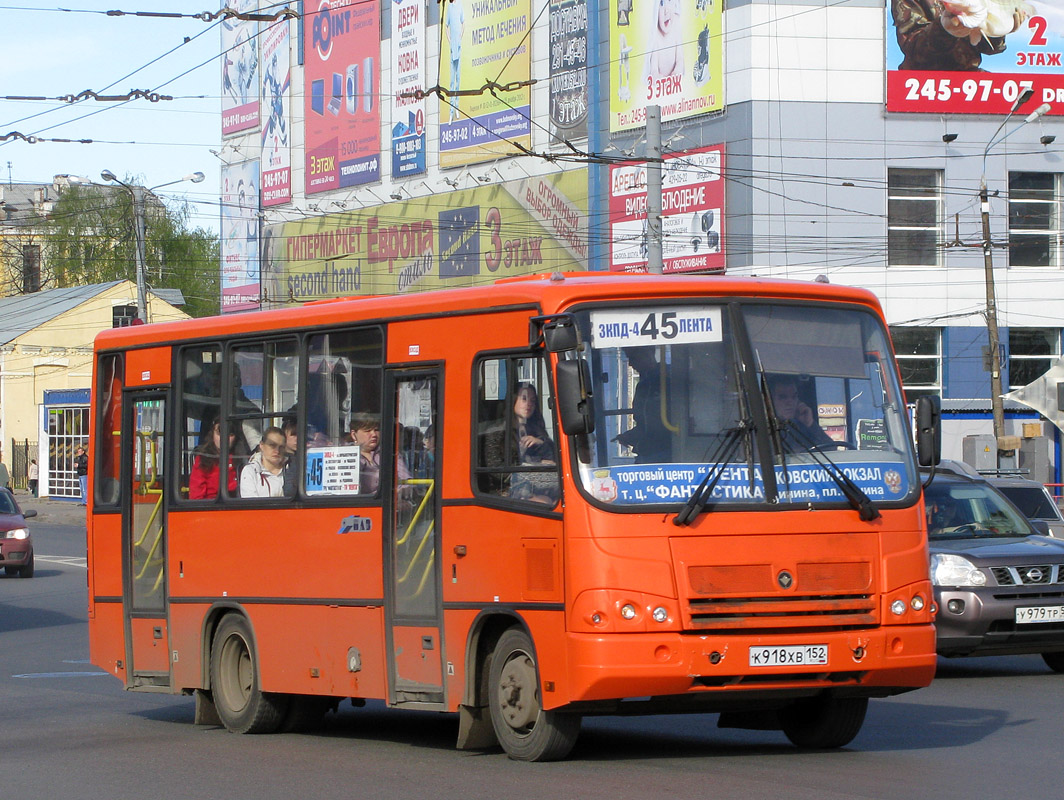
{"x": 81, "y": 465}
{"x": 5, "y": 476}
{"x": 33, "y": 474}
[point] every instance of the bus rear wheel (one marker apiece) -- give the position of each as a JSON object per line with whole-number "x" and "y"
{"x": 1055, "y": 661}
{"x": 524, "y": 729}
{"x": 241, "y": 705}
{"x": 823, "y": 722}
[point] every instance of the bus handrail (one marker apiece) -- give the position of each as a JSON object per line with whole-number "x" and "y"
{"x": 431, "y": 483}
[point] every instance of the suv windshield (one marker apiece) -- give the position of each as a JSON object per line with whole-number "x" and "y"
{"x": 731, "y": 391}
{"x": 959, "y": 509}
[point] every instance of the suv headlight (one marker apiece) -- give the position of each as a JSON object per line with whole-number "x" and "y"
{"x": 17, "y": 533}
{"x": 951, "y": 570}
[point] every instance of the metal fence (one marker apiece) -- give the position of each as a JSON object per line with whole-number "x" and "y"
{"x": 21, "y": 453}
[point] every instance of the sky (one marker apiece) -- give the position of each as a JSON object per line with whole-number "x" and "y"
{"x": 52, "y": 53}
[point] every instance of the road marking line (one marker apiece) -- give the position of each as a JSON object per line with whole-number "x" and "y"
{"x": 70, "y": 561}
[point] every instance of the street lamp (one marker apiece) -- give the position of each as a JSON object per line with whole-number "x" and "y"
{"x": 996, "y": 403}
{"x": 137, "y": 193}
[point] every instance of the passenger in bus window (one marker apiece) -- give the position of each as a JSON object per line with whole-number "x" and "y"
{"x": 799, "y": 425}
{"x": 366, "y": 433}
{"x": 264, "y": 475}
{"x": 529, "y": 446}
{"x": 648, "y": 438}
{"x": 205, "y": 477}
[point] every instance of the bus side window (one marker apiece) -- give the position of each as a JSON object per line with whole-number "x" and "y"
{"x": 344, "y": 384}
{"x": 517, "y": 455}
{"x": 200, "y": 408}
{"x": 109, "y": 429}
{"x": 264, "y": 380}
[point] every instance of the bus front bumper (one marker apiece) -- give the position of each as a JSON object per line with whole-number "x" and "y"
{"x": 875, "y": 663}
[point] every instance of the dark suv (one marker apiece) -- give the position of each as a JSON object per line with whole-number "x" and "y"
{"x": 999, "y": 581}
{"x": 1033, "y": 499}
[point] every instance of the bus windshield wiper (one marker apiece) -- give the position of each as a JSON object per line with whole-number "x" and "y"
{"x": 866, "y": 509}
{"x": 719, "y": 460}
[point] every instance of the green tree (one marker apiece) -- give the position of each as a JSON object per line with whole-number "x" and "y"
{"x": 90, "y": 239}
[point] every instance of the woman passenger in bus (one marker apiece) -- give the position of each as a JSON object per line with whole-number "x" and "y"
{"x": 531, "y": 446}
{"x": 264, "y": 474}
{"x": 366, "y": 433}
{"x": 205, "y": 477}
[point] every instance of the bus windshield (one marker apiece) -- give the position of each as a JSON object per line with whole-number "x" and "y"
{"x": 715, "y": 395}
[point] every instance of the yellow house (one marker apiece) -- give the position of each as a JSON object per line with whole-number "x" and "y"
{"x": 46, "y": 371}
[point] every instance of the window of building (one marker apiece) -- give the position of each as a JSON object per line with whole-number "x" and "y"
{"x": 919, "y": 352}
{"x": 31, "y": 268}
{"x": 1032, "y": 352}
{"x": 123, "y": 316}
{"x": 516, "y": 442}
{"x": 1033, "y": 219}
{"x": 914, "y": 217}
{"x": 68, "y": 429}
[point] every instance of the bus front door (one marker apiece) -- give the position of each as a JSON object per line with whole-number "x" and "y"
{"x": 144, "y": 542}
{"x": 412, "y": 541}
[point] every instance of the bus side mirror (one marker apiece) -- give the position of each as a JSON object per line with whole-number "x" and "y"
{"x": 574, "y": 397}
{"x": 556, "y": 332}
{"x": 929, "y": 430}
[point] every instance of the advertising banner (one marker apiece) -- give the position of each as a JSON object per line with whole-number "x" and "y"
{"x": 568, "y": 69}
{"x": 667, "y": 53}
{"x": 408, "y": 76}
{"x": 341, "y": 88}
{"x": 482, "y": 41}
{"x": 276, "y": 141}
{"x": 692, "y": 204}
{"x": 974, "y": 56}
{"x": 240, "y": 71}
{"x": 463, "y": 238}
{"x": 240, "y": 237}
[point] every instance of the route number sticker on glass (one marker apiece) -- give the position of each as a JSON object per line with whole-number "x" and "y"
{"x": 640, "y": 327}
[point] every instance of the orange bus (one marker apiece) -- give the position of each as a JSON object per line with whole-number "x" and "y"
{"x": 551, "y": 497}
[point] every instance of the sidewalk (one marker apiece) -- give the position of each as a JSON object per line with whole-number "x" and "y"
{"x": 54, "y": 512}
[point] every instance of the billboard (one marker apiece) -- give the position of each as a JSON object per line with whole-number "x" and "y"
{"x": 341, "y": 88}
{"x": 973, "y": 57}
{"x": 408, "y": 76}
{"x": 240, "y": 237}
{"x": 568, "y": 69}
{"x": 240, "y": 71}
{"x": 692, "y": 204}
{"x": 461, "y": 238}
{"x": 667, "y": 53}
{"x": 484, "y": 41}
{"x": 276, "y": 130}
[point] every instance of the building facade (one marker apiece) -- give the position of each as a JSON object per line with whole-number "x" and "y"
{"x": 403, "y": 146}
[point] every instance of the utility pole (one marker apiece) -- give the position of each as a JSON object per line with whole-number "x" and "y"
{"x": 655, "y": 260}
{"x": 997, "y": 405}
{"x": 141, "y": 235}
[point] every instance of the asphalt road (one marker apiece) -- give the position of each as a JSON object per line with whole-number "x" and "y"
{"x": 985, "y": 728}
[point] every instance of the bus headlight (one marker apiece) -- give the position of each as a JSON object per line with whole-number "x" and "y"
{"x": 660, "y": 614}
{"x": 628, "y": 611}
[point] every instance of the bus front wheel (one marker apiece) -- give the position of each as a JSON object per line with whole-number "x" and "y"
{"x": 823, "y": 722}
{"x": 525, "y": 730}
{"x": 242, "y": 706}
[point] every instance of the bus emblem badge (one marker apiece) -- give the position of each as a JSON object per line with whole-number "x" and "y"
{"x": 785, "y": 579}
{"x": 355, "y": 525}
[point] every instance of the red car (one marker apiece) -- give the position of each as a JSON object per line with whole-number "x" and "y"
{"x": 16, "y": 544}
